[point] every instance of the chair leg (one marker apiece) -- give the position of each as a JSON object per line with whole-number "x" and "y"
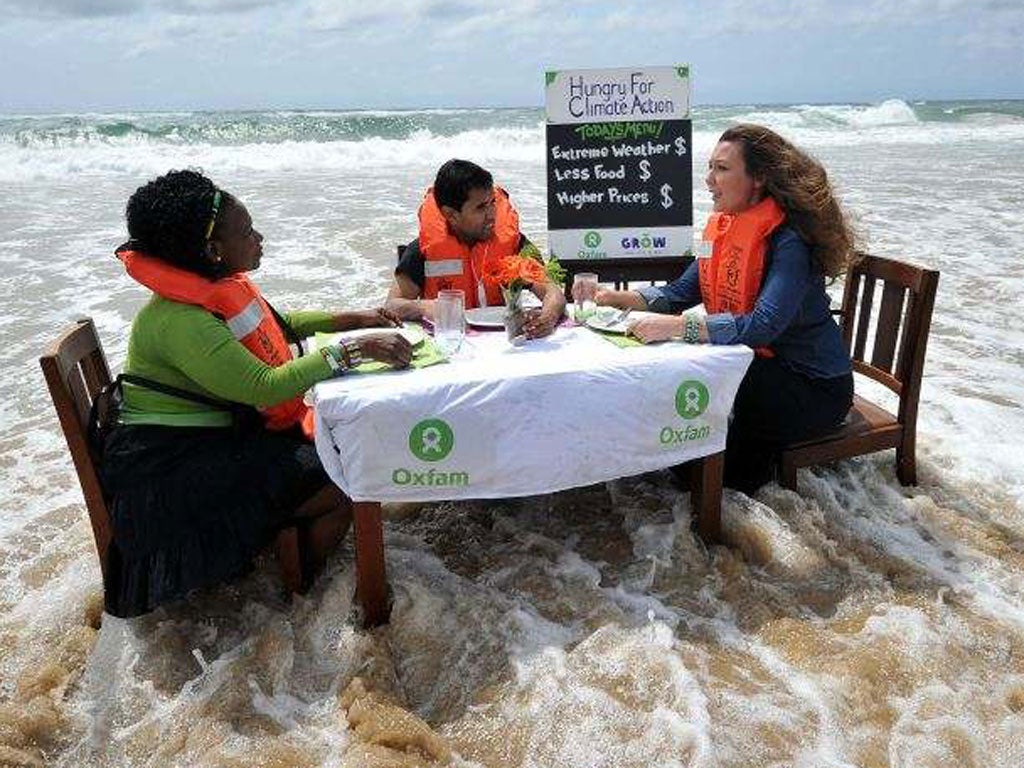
{"x": 289, "y": 560}
{"x": 906, "y": 466}
{"x": 706, "y": 496}
{"x": 787, "y": 473}
{"x": 371, "y": 578}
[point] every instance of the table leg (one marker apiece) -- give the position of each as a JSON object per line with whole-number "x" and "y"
{"x": 371, "y": 578}
{"x": 706, "y": 495}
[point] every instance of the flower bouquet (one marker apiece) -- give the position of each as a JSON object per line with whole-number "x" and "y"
{"x": 511, "y": 274}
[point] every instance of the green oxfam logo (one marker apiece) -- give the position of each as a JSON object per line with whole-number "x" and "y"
{"x": 431, "y": 440}
{"x": 592, "y": 239}
{"x": 691, "y": 399}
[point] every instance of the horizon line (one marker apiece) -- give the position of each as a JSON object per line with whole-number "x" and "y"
{"x": 438, "y": 108}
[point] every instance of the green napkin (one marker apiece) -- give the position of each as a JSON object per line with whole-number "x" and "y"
{"x": 622, "y": 340}
{"x": 424, "y": 351}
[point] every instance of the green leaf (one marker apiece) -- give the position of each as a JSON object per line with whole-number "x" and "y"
{"x": 549, "y": 77}
{"x": 531, "y": 251}
{"x": 556, "y": 272}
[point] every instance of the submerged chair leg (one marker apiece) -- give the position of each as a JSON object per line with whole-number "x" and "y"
{"x": 371, "y": 578}
{"x": 787, "y": 474}
{"x": 906, "y": 465}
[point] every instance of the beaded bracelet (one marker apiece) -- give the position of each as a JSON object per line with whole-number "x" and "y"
{"x": 342, "y": 356}
{"x": 352, "y": 351}
{"x": 691, "y": 329}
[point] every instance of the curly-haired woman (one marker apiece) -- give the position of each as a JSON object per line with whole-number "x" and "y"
{"x": 775, "y": 234}
{"x": 192, "y": 496}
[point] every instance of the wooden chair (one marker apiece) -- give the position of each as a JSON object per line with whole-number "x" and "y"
{"x": 904, "y": 315}
{"x": 76, "y": 370}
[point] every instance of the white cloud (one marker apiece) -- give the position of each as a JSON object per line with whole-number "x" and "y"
{"x": 339, "y": 14}
{"x": 466, "y": 52}
{"x": 88, "y": 9}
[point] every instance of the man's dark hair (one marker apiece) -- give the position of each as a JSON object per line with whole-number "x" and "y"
{"x": 455, "y": 179}
{"x": 169, "y": 216}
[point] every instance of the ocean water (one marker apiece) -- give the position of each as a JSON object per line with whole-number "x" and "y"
{"x": 854, "y": 623}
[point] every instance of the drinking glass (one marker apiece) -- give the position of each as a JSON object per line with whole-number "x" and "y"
{"x": 584, "y": 288}
{"x": 449, "y": 321}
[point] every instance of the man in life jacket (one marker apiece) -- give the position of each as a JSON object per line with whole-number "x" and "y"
{"x": 465, "y": 224}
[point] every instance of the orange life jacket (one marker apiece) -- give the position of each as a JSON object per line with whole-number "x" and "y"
{"x": 730, "y": 280}
{"x": 238, "y": 301}
{"x": 449, "y": 263}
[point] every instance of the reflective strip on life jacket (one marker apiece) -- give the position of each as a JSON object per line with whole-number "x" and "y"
{"x": 442, "y": 268}
{"x": 441, "y": 248}
{"x": 246, "y": 321}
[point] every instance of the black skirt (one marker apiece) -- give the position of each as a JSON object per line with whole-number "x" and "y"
{"x": 776, "y": 406}
{"x": 191, "y": 507}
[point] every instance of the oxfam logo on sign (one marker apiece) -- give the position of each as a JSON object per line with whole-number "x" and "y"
{"x": 592, "y": 239}
{"x": 691, "y": 399}
{"x": 431, "y": 440}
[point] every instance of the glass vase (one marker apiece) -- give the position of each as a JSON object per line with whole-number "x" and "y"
{"x": 514, "y": 317}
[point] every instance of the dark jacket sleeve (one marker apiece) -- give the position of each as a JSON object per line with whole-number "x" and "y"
{"x": 682, "y": 293}
{"x": 411, "y": 263}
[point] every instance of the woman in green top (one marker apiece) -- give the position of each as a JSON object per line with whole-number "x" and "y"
{"x": 192, "y": 496}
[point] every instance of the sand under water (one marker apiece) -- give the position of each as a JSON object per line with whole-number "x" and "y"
{"x": 854, "y": 623}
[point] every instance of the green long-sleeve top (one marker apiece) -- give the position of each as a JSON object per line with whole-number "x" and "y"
{"x": 187, "y": 347}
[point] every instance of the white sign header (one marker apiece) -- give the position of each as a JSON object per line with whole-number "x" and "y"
{"x": 618, "y": 95}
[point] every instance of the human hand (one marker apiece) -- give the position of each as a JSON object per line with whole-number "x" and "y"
{"x": 657, "y": 328}
{"x": 607, "y": 297}
{"x": 391, "y": 348}
{"x": 584, "y": 287}
{"x": 410, "y": 309}
{"x": 539, "y": 323}
{"x": 381, "y": 317}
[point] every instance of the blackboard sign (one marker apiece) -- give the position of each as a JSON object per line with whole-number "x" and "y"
{"x": 619, "y": 149}
{"x": 599, "y": 172}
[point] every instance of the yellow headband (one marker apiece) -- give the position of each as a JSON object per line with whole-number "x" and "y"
{"x": 213, "y": 214}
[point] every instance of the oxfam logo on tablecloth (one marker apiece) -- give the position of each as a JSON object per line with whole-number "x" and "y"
{"x": 431, "y": 440}
{"x": 592, "y": 239}
{"x": 691, "y": 399}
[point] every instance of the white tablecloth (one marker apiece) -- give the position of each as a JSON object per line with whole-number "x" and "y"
{"x": 498, "y": 421}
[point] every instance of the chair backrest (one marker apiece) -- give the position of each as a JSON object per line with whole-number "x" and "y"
{"x": 900, "y": 325}
{"x": 620, "y": 271}
{"x": 76, "y": 370}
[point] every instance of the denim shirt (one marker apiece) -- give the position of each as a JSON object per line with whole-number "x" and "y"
{"x": 791, "y": 314}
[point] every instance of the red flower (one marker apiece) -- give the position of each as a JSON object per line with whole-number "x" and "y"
{"x": 494, "y": 273}
{"x": 513, "y": 272}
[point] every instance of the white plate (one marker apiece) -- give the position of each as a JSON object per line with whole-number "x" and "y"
{"x": 486, "y": 317}
{"x": 608, "y": 324}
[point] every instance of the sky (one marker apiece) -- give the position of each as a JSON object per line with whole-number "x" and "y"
{"x": 109, "y": 55}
